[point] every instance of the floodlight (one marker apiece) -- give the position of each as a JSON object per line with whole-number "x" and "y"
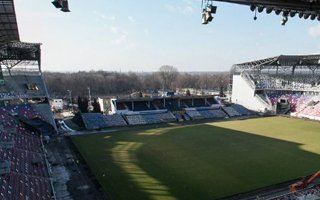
{"x": 301, "y": 14}
{"x": 206, "y": 17}
{"x": 209, "y": 17}
{"x": 284, "y": 20}
{"x": 318, "y": 18}
{"x": 313, "y": 17}
{"x": 292, "y": 14}
{"x": 277, "y": 12}
{"x": 252, "y": 7}
{"x": 211, "y": 9}
{"x": 204, "y": 20}
{"x": 57, "y": 3}
{"x": 306, "y": 15}
{"x": 65, "y": 6}
{"x": 260, "y": 9}
{"x": 268, "y": 10}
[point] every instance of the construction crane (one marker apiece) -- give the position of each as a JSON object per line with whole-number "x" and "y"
{"x": 304, "y": 182}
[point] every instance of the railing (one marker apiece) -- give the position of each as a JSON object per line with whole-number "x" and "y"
{"x": 49, "y": 170}
{"x": 21, "y": 71}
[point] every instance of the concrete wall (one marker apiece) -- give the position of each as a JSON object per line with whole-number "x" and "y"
{"x": 243, "y": 93}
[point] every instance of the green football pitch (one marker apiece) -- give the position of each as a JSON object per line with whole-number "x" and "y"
{"x": 203, "y": 161}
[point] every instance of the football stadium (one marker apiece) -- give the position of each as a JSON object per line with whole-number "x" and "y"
{"x": 262, "y": 143}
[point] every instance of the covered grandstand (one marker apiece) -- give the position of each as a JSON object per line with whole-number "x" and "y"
{"x": 25, "y": 172}
{"x": 154, "y": 110}
{"x": 283, "y": 84}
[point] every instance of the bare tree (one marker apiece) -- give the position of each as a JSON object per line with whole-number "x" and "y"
{"x": 167, "y": 75}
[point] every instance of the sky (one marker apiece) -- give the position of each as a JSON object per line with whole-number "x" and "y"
{"x": 141, "y": 36}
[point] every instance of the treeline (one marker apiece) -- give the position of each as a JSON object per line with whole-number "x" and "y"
{"x": 104, "y": 83}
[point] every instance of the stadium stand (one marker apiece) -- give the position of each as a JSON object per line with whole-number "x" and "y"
{"x": 135, "y": 119}
{"x": 194, "y": 114}
{"x": 241, "y": 110}
{"x": 114, "y": 120}
{"x": 93, "y": 121}
{"x": 231, "y": 111}
{"x": 278, "y": 85}
{"x": 24, "y": 170}
{"x": 175, "y": 108}
{"x": 150, "y": 118}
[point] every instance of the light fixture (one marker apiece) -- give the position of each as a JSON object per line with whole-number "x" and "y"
{"x": 252, "y": 7}
{"x": 292, "y": 14}
{"x": 57, "y": 3}
{"x": 313, "y": 17}
{"x": 306, "y": 15}
{"x": 284, "y": 20}
{"x": 206, "y": 17}
{"x": 268, "y": 10}
{"x": 65, "y": 6}
{"x": 277, "y": 12}
{"x": 301, "y": 14}
{"x": 211, "y": 9}
{"x": 260, "y": 9}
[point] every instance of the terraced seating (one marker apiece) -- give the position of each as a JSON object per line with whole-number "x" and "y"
{"x": 26, "y": 176}
{"x": 25, "y": 110}
{"x": 231, "y": 111}
{"x": 114, "y": 120}
{"x": 135, "y": 119}
{"x": 150, "y": 118}
{"x": 312, "y": 109}
{"x": 194, "y": 114}
{"x": 93, "y": 121}
{"x": 161, "y": 117}
{"x": 241, "y": 110}
{"x": 212, "y": 113}
{"x": 20, "y": 186}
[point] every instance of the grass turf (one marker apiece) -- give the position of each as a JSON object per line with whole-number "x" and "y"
{"x": 206, "y": 161}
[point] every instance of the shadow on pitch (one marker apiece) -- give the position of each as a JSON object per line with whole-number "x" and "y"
{"x": 196, "y": 162}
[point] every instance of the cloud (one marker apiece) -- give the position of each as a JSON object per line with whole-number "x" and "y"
{"x": 184, "y": 9}
{"x": 121, "y": 39}
{"x": 187, "y": 10}
{"x": 100, "y": 15}
{"x": 146, "y": 32}
{"x": 122, "y": 36}
{"x": 170, "y": 8}
{"x": 314, "y": 31}
{"x": 131, "y": 19}
{"x": 114, "y": 29}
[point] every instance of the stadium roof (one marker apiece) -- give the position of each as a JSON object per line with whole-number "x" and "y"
{"x": 8, "y": 22}
{"x": 304, "y": 61}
